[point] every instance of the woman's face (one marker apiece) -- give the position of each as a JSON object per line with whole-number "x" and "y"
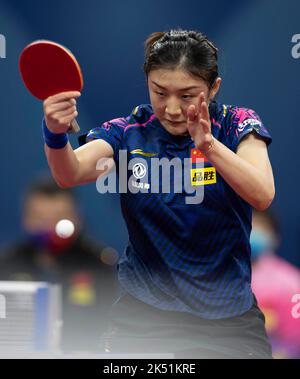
{"x": 172, "y": 92}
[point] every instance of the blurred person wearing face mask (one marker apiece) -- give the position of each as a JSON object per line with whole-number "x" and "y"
{"x": 275, "y": 282}
{"x": 65, "y": 256}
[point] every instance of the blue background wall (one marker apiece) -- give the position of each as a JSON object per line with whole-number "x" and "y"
{"x": 258, "y": 70}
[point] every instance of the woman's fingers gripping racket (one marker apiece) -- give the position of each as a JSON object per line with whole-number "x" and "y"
{"x": 60, "y": 111}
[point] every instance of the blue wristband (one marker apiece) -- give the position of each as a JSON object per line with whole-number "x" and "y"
{"x": 53, "y": 140}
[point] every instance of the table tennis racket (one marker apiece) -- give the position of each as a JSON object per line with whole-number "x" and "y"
{"x": 48, "y": 68}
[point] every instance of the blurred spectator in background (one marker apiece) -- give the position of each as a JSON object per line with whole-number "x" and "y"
{"x": 275, "y": 282}
{"x": 84, "y": 269}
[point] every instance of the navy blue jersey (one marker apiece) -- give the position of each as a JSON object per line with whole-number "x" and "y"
{"x": 184, "y": 257}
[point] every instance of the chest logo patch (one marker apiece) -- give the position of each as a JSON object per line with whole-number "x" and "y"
{"x": 204, "y": 175}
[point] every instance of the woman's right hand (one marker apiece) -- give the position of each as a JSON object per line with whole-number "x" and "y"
{"x": 60, "y": 110}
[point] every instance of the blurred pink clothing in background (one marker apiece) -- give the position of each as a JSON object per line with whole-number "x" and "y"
{"x": 275, "y": 282}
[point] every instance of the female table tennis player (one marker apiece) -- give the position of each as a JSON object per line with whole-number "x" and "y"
{"x": 185, "y": 274}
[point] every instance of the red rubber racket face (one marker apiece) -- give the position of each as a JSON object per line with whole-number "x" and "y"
{"x": 48, "y": 68}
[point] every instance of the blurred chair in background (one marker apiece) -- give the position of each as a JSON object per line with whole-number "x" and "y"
{"x": 275, "y": 282}
{"x": 86, "y": 270}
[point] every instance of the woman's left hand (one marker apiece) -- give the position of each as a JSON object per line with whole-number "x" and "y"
{"x": 199, "y": 125}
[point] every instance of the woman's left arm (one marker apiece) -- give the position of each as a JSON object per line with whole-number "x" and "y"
{"x": 248, "y": 171}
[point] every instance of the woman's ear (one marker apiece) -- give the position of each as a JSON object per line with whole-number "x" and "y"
{"x": 215, "y": 88}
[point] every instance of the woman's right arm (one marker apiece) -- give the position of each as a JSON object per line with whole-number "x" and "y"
{"x": 71, "y": 167}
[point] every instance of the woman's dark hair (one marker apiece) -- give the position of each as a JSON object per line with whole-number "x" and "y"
{"x": 188, "y": 50}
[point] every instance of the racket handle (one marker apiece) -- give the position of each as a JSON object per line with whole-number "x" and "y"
{"x": 74, "y": 128}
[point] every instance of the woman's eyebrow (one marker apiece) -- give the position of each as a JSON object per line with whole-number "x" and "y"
{"x": 180, "y": 89}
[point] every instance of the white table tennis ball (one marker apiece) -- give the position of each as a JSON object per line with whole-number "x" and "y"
{"x": 64, "y": 228}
